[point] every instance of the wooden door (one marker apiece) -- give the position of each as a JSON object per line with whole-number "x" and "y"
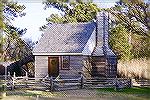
{"x": 53, "y": 66}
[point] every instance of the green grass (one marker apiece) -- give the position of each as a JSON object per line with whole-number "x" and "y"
{"x": 141, "y": 93}
{"x": 135, "y": 90}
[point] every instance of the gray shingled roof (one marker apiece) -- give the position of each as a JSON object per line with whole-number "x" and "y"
{"x": 65, "y": 38}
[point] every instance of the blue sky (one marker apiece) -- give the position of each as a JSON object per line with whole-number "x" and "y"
{"x": 36, "y": 16}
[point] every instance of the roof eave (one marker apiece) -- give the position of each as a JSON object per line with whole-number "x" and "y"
{"x": 55, "y": 54}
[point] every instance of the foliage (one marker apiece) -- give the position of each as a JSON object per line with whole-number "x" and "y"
{"x": 14, "y": 46}
{"x": 120, "y": 43}
{"x": 9, "y": 11}
{"x": 138, "y": 47}
{"x": 1, "y": 27}
{"x": 133, "y": 16}
{"x": 73, "y": 11}
{"x": 30, "y": 43}
{"x": 2, "y": 39}
{"x": 141, "y": 46}
{"x": 13, "y": 43}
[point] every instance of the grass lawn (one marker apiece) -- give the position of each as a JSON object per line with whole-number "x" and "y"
{"x": 83, "y": 94}
{"x": 135, "y": 93}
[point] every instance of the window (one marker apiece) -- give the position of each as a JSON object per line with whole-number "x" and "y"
{"x": 65, "y": 62}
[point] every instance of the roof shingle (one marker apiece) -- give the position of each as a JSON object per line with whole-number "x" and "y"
{"x": 65, "y": 38}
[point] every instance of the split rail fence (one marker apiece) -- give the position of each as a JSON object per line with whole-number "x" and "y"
{"x": 51, "y": 84}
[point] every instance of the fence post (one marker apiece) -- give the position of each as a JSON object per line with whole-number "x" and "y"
{"x": 26, "y": 79}
{"x": 130, "y": 83}
{"x": 116, "y": 84}
{"x": 51, "y": 83}
{"x": 13, "y": 83}
{"x": 26, "y": 74}
{"x": 82, "y": 82}
{"x": 14, "y": 75}
{"x": 8, "y": 74}
{"x": 8, "y": 79}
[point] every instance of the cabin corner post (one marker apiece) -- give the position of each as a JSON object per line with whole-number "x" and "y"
{"x": 82, "y": 82}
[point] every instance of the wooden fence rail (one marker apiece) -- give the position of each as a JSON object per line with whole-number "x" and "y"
{"x": 108, "y": 82}
{"x": 62, "y": 84}
{"x": 141, "y": 82}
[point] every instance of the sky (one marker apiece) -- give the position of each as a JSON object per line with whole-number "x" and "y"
{"x": 36, "y": 16}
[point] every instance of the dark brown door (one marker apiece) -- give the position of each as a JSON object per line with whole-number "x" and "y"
{"x": 53, "y": 66}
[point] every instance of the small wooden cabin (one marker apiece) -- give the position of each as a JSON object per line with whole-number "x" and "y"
{"x": 66, "y": 50}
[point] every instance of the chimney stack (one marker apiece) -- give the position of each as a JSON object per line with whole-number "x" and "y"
{"x": 102, "y": 47}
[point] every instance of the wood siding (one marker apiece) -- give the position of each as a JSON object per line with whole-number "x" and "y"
{"x": 75, "y": 68}
{"x": 98, "y": 66}
{"x": 41, "y": 66}
{"x": 87, "y": 67}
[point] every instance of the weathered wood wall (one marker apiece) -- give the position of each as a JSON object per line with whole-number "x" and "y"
{"x": 41, "y": 66}
{"x": 87, "y": 67}
{"x": 98, "y": 66}
{"x": 111, "y": 67}
{"x": 75, "y": 68}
